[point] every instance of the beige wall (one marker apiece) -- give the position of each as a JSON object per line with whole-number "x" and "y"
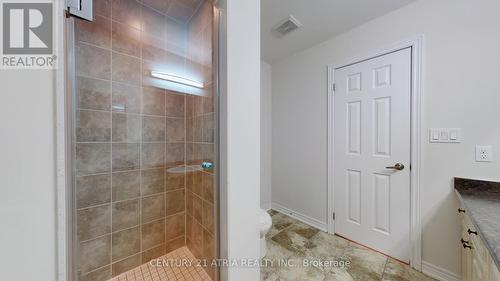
{"x": 240, "y": 142}
{"x": 265, "y": 134}
{"x": 27, "y": 175}
{"x": 460, "y": 70}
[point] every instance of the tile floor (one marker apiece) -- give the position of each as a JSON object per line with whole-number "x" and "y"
{"x": 293, "y": 241}
{"x": 290, "y": 242}
{"x": 160, "y": 272}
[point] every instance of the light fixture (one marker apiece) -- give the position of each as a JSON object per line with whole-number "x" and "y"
{"x": 177, "y": 79}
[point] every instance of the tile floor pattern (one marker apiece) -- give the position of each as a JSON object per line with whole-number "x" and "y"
{"x": 147, "y": 272}
{"x": 295, "y": 241}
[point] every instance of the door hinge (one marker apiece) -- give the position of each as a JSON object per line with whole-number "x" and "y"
{"x": 80, "y": 8}
{"x": 333, "y": 86}
{"x": 333, "y": 215}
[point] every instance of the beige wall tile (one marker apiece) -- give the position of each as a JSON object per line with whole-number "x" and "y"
{"x": 126, "y": 98}
{"x": 153, "y": 155}
{"x": 180, "y": 11}
{"x": 175, "y": 153}
{"x": 126, "y": 156}
{"x": 196, "y": 183}
{"x": 208, "y": 128}
{"x": 93, "y": 62}
{"x": 126, "y": 39}
{"x": 153, "y": 129}
{"x": 126, "y": 185}
{"x": 153, "y": 207}
{"x": 176, "y": 32}
{"x": 153, "y": 253}
{"x": 175, "y": 201}
{"x": 153, "y": 48}
{"x": 153, "y": 22}
{"x": 208, "y": 245}
{"x": 174, "y": 226}
{"x": 93, "y": 94}
{"x": 103, "y": 8}
{"x": 101, "y": 274}
{"x": 175, "y": 130}
{"x": 94, "y": 254}
{"x": 153, "y": 181}
{"x": 198, "y": 236}
{"x": 126, "y": 127}
{"x": 126, "y": 264}
{"x": 189, "y": 203}
{"x": 175, "y": 244}
{"x": 126, "y": 69}
{"x": 93, "y": 190}
{"x": 197, "y": 208}
{"x": 208, "y": 216}
{"x": 175, "y": 181}
{"x": 126, "y": 214}
{"x": 92, "y": 158}
{"x": 160, "y": 5}
{"x": 174, "y": 104}
{"x": 189, "y": 227}
{"x": 208, "y": 187}
{"x": 153, "y": 234}
{"x": 127, "y": 12}
{"x": 93, "y": 222}
{"x": 93, "y": 126}
{"x": 126, "y": 243}
{"x": 96, "y": 32}
{"x": 153, "y": 101}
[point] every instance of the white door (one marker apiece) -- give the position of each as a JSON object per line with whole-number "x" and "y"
{"x": 372, "y": 144}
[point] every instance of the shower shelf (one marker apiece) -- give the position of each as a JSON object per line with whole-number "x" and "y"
{"x": 184, "y": 169}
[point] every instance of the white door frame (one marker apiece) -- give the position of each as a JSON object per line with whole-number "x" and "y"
{"x": 416, "y": 106}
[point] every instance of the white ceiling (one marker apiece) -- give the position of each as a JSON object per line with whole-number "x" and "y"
{"x": 321, "y": 19}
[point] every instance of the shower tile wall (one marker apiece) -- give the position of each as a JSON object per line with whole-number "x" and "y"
{"x": 200, "y": 139}
{"x": 128, "y": 132}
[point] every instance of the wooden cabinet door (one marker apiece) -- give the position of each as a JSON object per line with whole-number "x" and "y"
{"x": 466, "y": 257}
{"x": 494, "y": 272}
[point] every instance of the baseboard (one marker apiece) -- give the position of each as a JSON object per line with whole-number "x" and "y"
{"x": 439, "y": 273}
{"x": 301, "y": 217}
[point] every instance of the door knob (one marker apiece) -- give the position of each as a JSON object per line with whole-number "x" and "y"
{"x": 397, "y": 166}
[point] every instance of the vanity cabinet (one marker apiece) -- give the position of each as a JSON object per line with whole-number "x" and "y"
{"x": 477, "y": 262}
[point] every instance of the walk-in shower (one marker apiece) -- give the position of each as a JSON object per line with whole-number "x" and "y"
{"x": 143, "y": 113}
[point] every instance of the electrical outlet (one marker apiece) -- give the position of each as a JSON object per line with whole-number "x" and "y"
{"x": 484, "y": 153}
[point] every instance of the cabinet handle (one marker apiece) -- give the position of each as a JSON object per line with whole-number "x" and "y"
{"x": 466, "y": 246}
{"x": 471, "y": 232}
{"x": 464, "y": 241}
{"x": 461, "y": 211}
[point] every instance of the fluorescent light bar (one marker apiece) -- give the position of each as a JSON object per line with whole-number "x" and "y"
{"x": 176, "y": 79}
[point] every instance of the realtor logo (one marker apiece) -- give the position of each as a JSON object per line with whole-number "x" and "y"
{"x": 27, "y": 35}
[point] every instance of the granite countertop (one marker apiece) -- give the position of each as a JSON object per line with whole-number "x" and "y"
{"x": 481, "y": 200}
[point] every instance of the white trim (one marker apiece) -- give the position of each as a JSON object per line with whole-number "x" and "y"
{"x": 301, "y": 217}
{"x": 439, "y": 273}
{"x": 63, "y": 249}
{"x": 416, "y": 120}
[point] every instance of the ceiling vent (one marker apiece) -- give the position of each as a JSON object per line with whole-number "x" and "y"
{"x": 286, "y": 26}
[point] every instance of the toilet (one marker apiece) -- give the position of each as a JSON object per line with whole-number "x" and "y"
{"x": 265, "y": 224}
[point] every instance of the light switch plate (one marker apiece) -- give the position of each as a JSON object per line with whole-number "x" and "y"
{"x": 484, "y": 153}
{"x": 445, "y": 135}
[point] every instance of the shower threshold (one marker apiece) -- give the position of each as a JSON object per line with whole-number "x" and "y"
{"x": 158, "y": 270}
